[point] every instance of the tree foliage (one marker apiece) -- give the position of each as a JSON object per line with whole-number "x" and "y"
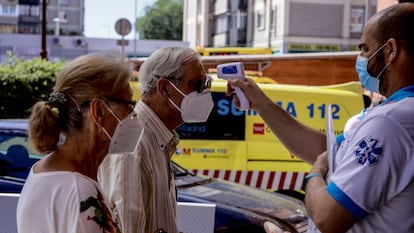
{"x": 163, "y": 20}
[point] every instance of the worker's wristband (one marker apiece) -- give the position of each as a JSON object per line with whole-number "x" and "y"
{"x": 308, "y": 177}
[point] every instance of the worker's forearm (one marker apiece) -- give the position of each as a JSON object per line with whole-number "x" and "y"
{"x": 301, "y": 140}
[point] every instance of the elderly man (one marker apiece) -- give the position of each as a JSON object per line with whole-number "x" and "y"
{"x": 175, "y": 89}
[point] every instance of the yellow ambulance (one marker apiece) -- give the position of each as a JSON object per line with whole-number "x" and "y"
{"x": 237, "y": 145}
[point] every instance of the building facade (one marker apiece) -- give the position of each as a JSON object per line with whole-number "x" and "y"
{"x": 21, "y": 29}
{"x": 285, "y": 26}
{"x": 63, "y": 17}
{"x": 68, "y": 47}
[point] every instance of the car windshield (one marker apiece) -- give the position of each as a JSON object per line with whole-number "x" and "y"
{"x": 16, "y": 157}
{"x": 9, "y": 137}
{"x": 178, "y": 170}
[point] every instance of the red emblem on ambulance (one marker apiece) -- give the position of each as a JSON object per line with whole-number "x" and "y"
{"x": 258, "y": 128}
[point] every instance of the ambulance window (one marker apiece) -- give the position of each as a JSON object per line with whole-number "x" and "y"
{"x": 225, "y": 122}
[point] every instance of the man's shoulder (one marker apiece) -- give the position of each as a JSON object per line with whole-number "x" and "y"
{"x": 398, "y": 109}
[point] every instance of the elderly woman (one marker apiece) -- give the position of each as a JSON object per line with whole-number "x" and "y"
{"x": 74, "y": 128}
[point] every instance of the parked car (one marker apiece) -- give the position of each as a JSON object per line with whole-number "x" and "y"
{"x": 239, "y": 208}
{"x": 15, "y": 156}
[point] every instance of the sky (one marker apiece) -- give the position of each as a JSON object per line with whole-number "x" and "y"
{"x": 101, "y": 16}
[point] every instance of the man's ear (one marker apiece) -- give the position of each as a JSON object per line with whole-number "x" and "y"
{"x": 392, "y": 51}
{"x": 162, "y": 87}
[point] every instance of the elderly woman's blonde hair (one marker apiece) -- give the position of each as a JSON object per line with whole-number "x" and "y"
{"x": 100, "y": 74}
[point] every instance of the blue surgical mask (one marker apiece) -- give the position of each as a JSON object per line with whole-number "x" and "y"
{"x": 368, "y": 81}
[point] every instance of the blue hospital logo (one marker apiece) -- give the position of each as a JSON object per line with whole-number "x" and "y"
{"x": 368, "y": 152}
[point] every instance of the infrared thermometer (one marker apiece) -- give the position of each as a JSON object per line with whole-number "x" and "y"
{"x": 234, "y": 70}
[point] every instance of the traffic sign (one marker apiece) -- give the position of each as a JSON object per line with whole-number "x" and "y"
{"x": 123, "y": 26}
{"x": 122, "y": 42}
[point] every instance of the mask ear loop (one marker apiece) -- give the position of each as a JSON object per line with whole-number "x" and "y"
{"x": 179, "y": 91}
{"x": 114, "y": 115}
{"x": 112, "y": 112}
{"x": 106, "y": 133}
{"x": 379, "y": 49}
{"x": 382, "y": 71}
{"x": 172, "y": 102}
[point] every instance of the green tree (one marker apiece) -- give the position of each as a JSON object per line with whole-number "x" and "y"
{"x": 163, "y": 20}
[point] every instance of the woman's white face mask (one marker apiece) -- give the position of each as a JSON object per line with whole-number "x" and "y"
{"x": 127, "y": 135}
{"x": 195, "y": 107}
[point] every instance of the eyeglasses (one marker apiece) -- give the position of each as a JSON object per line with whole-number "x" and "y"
{"x": 200, "y": 84}
{"x": 131, "y": 103}
{"x": 203, "y": 83}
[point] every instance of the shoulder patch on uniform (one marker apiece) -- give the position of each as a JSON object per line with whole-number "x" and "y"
{"x": 368, "y": 152}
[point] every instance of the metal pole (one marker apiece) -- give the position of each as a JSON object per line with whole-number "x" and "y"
{"x": 367, "y": 11}
{"x": 135, "y": 28}
{"x": 122, "y": 44}
{"x": 43, "y": 52}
